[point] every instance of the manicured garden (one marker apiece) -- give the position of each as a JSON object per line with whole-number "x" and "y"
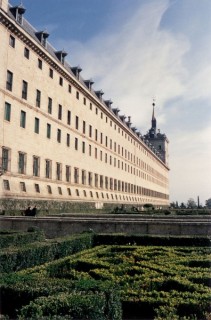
{"x": 91, "y": 276}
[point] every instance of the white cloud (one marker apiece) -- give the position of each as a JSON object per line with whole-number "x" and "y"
{"x": 134, "y": 62}
{"x": 137, "y": 60}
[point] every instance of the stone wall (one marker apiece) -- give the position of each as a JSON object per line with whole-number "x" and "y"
{"x": 18, "y": 206}
{"x": 62, "y": 226}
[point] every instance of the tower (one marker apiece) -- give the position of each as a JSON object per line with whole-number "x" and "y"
{"x": 158, "y": 140}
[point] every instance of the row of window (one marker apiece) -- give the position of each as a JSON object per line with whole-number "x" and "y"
{"x": 85, "y": 193}
{"x": 36, "y": 161}
{"x": 38, "y": 98}
{"x": 98, "y": 137}
{"x": 79, "y": 176}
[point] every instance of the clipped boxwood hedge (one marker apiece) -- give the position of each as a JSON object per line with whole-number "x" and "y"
{"x": 138, "y": 239}
{"x": 8, "y": 238}
{"x": 81, "y": 305}
{"x": 14, "y": 259}
{"x": 35, "y": 292}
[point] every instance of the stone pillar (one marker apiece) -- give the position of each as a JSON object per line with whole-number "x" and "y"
{"x": 4, "y": 5}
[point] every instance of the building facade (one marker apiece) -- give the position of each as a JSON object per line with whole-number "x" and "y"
{"x": 59, "y": 139}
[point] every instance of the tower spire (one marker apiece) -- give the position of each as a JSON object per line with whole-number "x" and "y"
{"x": 153, "y": 110}
{"x": 154, "y": 122}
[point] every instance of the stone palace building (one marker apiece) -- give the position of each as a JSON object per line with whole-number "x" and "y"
{"x": 59, "y": 139}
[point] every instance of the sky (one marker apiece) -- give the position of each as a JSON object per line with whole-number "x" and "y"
{"x": 137, "y": 50}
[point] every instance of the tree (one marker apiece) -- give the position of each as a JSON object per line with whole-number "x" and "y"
{"x": 208, "y": 203}
{"x": 191, "y": 203}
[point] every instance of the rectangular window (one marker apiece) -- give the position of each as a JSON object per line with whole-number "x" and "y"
{"x": 48, "y": 130}
{"x": 83, "y": 177}
{"x": 96, "y": 180}
{"x": 95, "y": 153}
{"x": 50, "y": 103}
{"x": 106, "y": 141}
{"x": 36, "y": 125}
{"x": 68, "y": 172}
{"x": 76, "y": 122}
{"x": 12, "y": 41}
{"x": 76, "y": 143}
{"x": 59, "y": 135}
{"x": 84, "y": 101}
{"x": 68, "y": 191}
{"x": 106, "y": 182}
{"x": 37, "y": 187}
{"x": 90, "y": 131}
{"x": 69, "y": 88}
{"x": 90, "y": 106}
{"x": 95, "y": 134}
{"x": 90, "y": 150}
{"x": 90, "y": 178}
{"x": 101, "y": 138}
{"x": 61, "y": 81}
{"x": 23, "y": 119}
{"x": 48, "y": 168}
{"x": 51, "y": 73}
{"x": 77, "y": 95}
{"x": 38, "y": 98}
{"x": 49, "y": 189}
{"x": 22, "y": 186}
{"x": 68, "y": 117}
{"x": 84, "y": 127}
{"x": 101, "y": 181}
{"x": 60, "y": 112}
{"x": 111, "y": 183}
{"x": 26, "y": 53}
{"x": 58, "y": 171}
{"x": 83, "y": 147}
{"x": 6, "y": 185}
{"x": 101, "y": 155}
{"x": 76, "y": 175}
{"x": 59, "y": 190}
{"x": 36, "y": 166}
{"x": 21, "y": 163}
{"x": 9, "y": 80}
{"x": 39, "y": 63}
{"x": 68, "y": 139}
{"x": 24, "y": 89}
{"x": 7, "y": 111}
{"x": 5, "y": 159}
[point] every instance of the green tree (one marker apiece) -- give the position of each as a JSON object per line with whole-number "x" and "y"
{"x": 191, "y": 203}
{"x": 208, "y": 203}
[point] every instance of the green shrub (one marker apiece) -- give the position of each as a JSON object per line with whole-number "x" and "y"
{"x": 16, "y": 239}
{"x": 137, "y": 239}
{"x": 38, "y": 253}
{"x": 83, "y": 305}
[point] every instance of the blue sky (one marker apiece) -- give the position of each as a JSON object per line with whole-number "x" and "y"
{"x": 135, "y": 50}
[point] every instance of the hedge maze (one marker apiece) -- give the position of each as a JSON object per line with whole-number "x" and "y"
{"x": 101, "y": 277}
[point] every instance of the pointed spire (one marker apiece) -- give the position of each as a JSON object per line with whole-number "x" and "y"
{"x": 154, "y": 124}
{"x": 153, "y": 111}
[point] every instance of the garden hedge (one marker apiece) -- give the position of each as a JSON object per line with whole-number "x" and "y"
{"x": 15, "y": 239}
{"x": 29, "y": 255}
{"x": 138, "y": 239}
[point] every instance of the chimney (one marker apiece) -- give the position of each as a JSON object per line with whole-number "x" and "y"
{"x": 76, "y": 71}
{"x": 89, "y": 83}
{"x": 108, "y": 103}
{"x": 99, "y": 94}
{"x": 61, "y": 55}
{"x": 42, "y": 36}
